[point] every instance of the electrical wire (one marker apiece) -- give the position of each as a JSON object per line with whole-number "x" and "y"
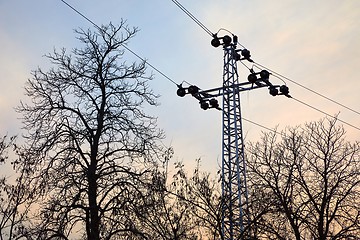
{"x": 306, "y": 104}
{"x": 82, "y": 15}
{"x": 197, "y": 21}
{"x": 150, "y": 65}
{"x": 124, "y": 46}
{"x": 315, "y": 92}
{"x": 281, "y": 77}
{"x": 274, "y": 73}
{"x": 224, "y": 29}
{"x": 262, "y": 126}
{"x": 325, "y": 113}
{"x": 200, "y": 24}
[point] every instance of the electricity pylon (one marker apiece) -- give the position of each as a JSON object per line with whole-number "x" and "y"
{"x": 236, "y": 222}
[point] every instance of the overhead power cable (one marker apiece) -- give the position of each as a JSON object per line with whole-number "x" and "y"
{"x": 262, "y": 126}
{"x": 187, "y": 12}
{"x": 82, "y": 15}
{"x": 325, "y": 113}
{"x": 124, "y": 46}
{"x": 197, "y": 21}
{"x": 279, "y": 75}
{"x": 168, "y": 78}
{"x": 152, "y": 66}
{"x": 315, "y": 92}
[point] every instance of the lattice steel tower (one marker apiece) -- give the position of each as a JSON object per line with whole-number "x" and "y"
{"x": 235, "y": 200}
{"x": 234, "y": 190}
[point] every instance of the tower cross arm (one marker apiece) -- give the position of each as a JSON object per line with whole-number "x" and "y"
{"x": 220, "y": 91}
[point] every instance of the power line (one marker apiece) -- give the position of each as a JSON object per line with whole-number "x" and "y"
{"x": 313, "y": 91}
{"x": 262, "y": 126}
{"x": 152, "y": 66}
{"x": 275, "y": 73}
{"x": 82, "y": 15}
{"x": 306, "y": 104}
{"x": 168, "y": 78}
{"x": 325, "y": 113}
{"x": 197, "y": 21}
{"x": 211, "y": 34}
{"x": 124, "y": 46}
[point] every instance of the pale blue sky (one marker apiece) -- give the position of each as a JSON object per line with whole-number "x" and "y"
{"x": 316, "y": 43}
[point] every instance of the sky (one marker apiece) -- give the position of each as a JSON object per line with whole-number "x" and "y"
{"x": 314, "y": 43}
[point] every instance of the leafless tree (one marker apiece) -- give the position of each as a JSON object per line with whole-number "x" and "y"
{"x": 13, "y": 193}
{"x": 190, "y": 206}
{"x": 306, "y": 184}
{"x": 169, "y": 218}
{"x": 91, "y": 149}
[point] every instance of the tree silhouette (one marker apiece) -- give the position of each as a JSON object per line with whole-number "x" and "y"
{"x": 306, "y": 185}
{"x": 14, "y": 194}
{"x": 187, "y": 208}
{"x": 91, "y": 149}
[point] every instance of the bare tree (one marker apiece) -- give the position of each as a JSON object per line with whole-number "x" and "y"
{"x": 91, "y": 149}
{"x": 14, "y": 206}
{"x": 169, "y": 218}
{"x": 190, "y": 205}
{"x": 7, "y": 211}
{"x": 203, "y": 191}
{"x": 306, "y": 184}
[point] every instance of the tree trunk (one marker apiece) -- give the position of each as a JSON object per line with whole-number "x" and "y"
{"x": 94, "y": 213}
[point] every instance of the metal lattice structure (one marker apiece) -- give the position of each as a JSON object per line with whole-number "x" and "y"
{"x": 235, "y": 200}
{"x": 234, "y": 189}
